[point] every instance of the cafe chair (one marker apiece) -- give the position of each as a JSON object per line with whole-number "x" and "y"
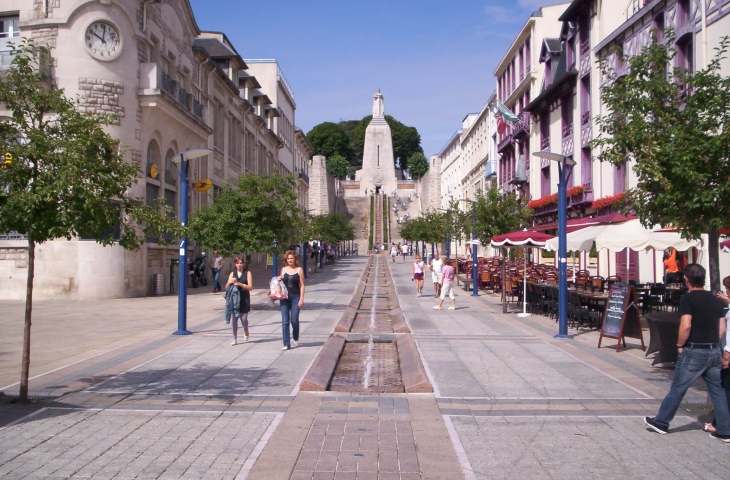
{"x": 656, "y": 298}
{"x": 598, "y": 283}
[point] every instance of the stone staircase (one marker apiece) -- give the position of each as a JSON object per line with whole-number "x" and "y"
{"x": 378, "y": 221}
{"x": 357, "y": 211}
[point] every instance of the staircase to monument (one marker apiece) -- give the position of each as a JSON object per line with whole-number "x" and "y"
{"x": 357, "y": 211}
{"x": 378, "y": 221}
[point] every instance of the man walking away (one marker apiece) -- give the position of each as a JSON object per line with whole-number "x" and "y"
{"x": 447, "y": 274}
{"x": 404, "y": 251}
{"x": 702, "y": 324}
{"x": 216, "y": 266}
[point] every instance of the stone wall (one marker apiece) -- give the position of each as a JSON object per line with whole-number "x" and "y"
{"x": 429, "y": 186}
{"x": 322, "y": 190}
{"x": 101, "y": 97}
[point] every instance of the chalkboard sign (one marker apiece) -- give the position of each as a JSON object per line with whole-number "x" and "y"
{"x": 621, "y": 317}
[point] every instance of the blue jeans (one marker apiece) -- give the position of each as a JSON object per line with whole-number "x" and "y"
{"x": 216, "y": 279}
{"x": 692, "y": 364}
{"x": 290, "y": 314}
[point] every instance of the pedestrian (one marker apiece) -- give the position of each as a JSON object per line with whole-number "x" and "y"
{"x": 670, "y": 266}
{"x": 293, "y": 278}
{"x": 215, "y": 266}
{"x": 436, "y": 265}
{"x": 404, "y": 251}
{"x": 404, "y": 205}
{"x": 393, "y": 251}
{"x": 701, "y": 324}
{"x": 417, "y": 275}
{"x": 725, "y": 373}
{"x": 238, "y": 298}
{"x": 366, "y": 191}
{"x": 447, "y": 274}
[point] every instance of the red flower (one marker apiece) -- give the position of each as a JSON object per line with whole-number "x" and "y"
{"x": 610, "y": 201}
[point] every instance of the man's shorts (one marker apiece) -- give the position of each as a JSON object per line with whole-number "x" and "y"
{"x": 436, "y": 277}
{"x": 448, "y": 289}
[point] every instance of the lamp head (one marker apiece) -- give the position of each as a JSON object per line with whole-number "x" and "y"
{"x": 555, "y": 157}
{"x": 192, "y": 153}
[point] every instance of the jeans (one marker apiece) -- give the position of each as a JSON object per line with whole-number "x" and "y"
{"x": 290, "y": 314}
{"x": 216, "y": 279}
{"x": 692, "y": 364}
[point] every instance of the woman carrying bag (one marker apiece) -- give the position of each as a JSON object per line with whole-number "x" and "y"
{"x": 238, "y": 298}
{"x": 293, "y": 277}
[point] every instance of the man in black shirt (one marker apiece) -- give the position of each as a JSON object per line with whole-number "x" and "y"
{"x": 702, "y": 324}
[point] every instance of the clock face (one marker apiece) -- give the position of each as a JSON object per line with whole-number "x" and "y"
{"x": 102, "y": 40}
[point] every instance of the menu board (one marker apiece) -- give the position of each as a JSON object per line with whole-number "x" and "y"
{"x": 621, "y": 318}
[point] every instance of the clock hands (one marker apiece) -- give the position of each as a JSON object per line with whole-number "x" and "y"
{"x": 97, "y": 36}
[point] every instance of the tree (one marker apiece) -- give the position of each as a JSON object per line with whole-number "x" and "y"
{"x": 418, "y": 165}
{"x": 329, "y": 139}
{"x": 349, "y": 127}
{"x": 66, "y": 177}
{"x": 676, "y": 127}
{"x": 497, "y": 213}
{"x": 330, "y": 228}
{"x": 406, "y": 140}
{"x": 249, "y": 215}
{"x": 337, "y": 166}
{"x": 430, "y": 228}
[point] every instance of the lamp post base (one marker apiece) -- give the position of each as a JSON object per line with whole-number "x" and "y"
{"x": 563, "y": 336}
{"x": 475, "y": 295}
{"x": 522, "y": 314}
{"x": 182, "y": 332}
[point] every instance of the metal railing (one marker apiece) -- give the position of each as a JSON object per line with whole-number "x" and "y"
{"x": 183, "y": 97}
{"x": 168, "y": 84}
{"x": 545, "y": 144}
{"x": 568, "y": 130}
{"x": 197, "y": 108}
{"x": 585, "y": 118}
{"x": 585, "y": 46}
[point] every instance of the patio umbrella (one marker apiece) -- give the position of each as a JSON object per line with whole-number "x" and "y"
{"x": 525, "y": 239}
{"x": 633, "y": 235}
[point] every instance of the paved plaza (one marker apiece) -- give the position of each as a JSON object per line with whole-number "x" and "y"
{"x": 120, "y": 397}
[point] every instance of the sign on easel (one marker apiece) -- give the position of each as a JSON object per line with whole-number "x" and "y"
{"x": 621, "y": 318}
{"x": 269, "y": 261}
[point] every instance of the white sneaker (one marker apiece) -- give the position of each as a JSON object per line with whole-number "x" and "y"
{"x": 234, "y": 343}
{"x": 285, "y": 347}
{"x": 295, "y": 343}
{"x": 245, "y": 338}
{"x": 451, "y": 308}
{"x": 436, "y": 307}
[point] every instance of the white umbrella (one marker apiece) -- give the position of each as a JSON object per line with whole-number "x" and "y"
{"x": 633, "y": 235}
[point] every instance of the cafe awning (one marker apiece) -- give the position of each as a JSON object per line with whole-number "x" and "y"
{"x": 725, "y": 246}
{"x": 579, "y": 223}
{"x": 521, "y": 238}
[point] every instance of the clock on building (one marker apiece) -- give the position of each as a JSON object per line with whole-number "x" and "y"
{"x": 102, "y": 40}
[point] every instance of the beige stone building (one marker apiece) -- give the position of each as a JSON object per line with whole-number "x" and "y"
{"x": 172, "y": 87}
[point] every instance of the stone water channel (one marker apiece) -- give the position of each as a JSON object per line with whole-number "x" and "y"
{"x": 371, "y": 349}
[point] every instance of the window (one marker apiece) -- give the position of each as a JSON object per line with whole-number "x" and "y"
{"x": 170, "y": 202}
{"x": 545, "y": 181}
{"x": 566, "y": 108}
{"x": 586, "y": 168}
{"x": 683, "y": 12}
{"x": 659, "y": 26}
{"x": 152, "y": 193}
{"x": 169, "y": 176}
{"x": 153, "y": 158}
{"x": 544, "y": 130}
{"x": 685, "y": 53}
{"x": 9, "y": 27}
{"x": 619, "y": 179}
{"x": 585, "y": 100}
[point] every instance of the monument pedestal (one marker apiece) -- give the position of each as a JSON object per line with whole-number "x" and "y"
{"x": 378, "y": 166}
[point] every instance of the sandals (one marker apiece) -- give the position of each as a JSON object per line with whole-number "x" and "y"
{"x": 707, "y": 427}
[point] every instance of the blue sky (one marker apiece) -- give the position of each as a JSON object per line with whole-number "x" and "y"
{"x": 432, "y": 59}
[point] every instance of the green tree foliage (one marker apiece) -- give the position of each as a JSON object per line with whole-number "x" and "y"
{"x": 418, "y": 165}
{"x": 430, "y": 228}
{"x": 349, "y": 127}
{"x": 329, "y": 139}
{"x": 497, "y": 213}
{"x": 249, "y": 215}
{"x": 337, "y": 166}
{"x": 330, "y": 228}
{"x": 406, "y": 140}
{"x": 676, "y": 127}
{"x": 458, "y": 222}
{"x": 63, "y": 176}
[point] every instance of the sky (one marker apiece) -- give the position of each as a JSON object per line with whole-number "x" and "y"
{"x": 433, "y": 60}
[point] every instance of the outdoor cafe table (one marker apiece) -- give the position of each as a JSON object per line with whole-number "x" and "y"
{"x": 663, "y": 336}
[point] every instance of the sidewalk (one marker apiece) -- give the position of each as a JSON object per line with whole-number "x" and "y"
{"x": 510, "y": 401}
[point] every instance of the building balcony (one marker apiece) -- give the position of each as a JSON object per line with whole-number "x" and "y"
{"x": 545, "y": 144}
{"x": 522, "y": 126}
{"x": 6, "y": 58}
{"x": 183, "y": 97}
{"x": 155, "y": 82}
{"x": 197, "y": 108}
{"x": 567, "y": 130}
{"x": 490, "y": 170}
{"x": 585, "y": 118}
{"x": 585, "y": 47}
{"x": 304, "y": 177}
{"x": 504, "y": 142}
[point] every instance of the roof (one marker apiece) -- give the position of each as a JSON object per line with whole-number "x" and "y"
{"x": 573, "y": 9}
{"x": 557, "y": 83}
{"x": 552, "y": 45}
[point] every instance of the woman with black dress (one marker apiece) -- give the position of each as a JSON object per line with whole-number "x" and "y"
{"x": 242, "y": 279}
{"x": 293, "y": 278}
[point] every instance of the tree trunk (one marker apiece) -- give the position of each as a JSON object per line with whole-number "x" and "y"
{"x": 25, "y": 367}
{"x": 714, "y": 261}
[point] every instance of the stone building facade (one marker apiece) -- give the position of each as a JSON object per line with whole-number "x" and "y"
{"x": 172, "y": 87}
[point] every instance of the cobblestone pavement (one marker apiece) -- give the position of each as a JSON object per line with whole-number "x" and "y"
{"x": 510, "y": 401}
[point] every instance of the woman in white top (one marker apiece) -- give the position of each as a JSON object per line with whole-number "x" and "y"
{"x": 393, "y": 251}
{"x": 417, "y": 274}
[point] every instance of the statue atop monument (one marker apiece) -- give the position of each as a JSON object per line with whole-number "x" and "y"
{"x": 378, "y": 105}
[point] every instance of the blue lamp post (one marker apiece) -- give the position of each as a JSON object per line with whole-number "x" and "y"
{"x": 275, "y": 263}
{"x": 447, "y": 240}
{"x": 474, "y": 245}
{"x": 304, "y": 257}
{"x": 182, "y": 281}
{"x": 563, "y": 176}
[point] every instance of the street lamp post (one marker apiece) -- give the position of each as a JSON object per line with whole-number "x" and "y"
{"x": 447, "y": 240}
{"x": 182, "y": 281}
{"x": 275, "y": 263}
{"x": 474, "y": 280}
{"x": 563, "y": 176}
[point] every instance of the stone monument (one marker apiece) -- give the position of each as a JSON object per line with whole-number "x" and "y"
{"x": 378, "y": 167}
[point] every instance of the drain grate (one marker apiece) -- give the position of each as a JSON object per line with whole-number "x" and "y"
{"x": 385, "y": 375}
